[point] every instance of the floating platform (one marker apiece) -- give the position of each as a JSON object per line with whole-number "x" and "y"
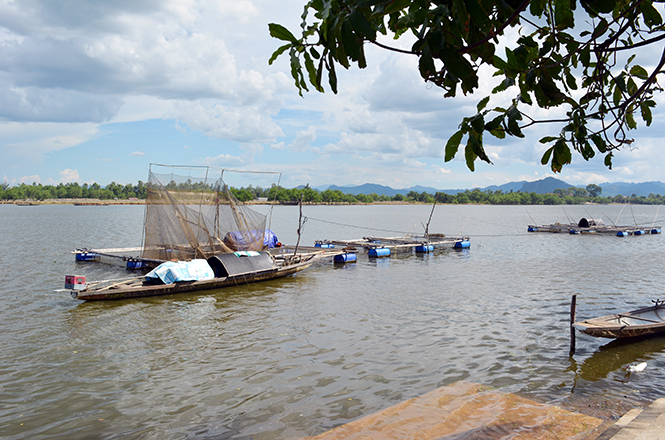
{"x": 467, "y": 410}
{"x": 130, "y": 257}
{"x": 594, "y": 226}
{"x": 385, "y": 246}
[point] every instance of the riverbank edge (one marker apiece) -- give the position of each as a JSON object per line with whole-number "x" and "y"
{"x": 99, "y": 202}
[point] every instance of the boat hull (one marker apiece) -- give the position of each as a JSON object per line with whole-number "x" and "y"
{"x": 637, "y": 323}
{"x": 140, "y": 290}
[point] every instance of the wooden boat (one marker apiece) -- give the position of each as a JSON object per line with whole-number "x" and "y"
{"x": 641, "y": 322}
{"x": 227, "y": 273}
{"x": 197, "y": 236}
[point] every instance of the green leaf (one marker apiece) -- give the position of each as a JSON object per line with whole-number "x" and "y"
{"x": 548, "y": 139}
{"x": 351, "y": 44}
{"x": 332, "y": 76}
{"x": 469, "y": 154}
{"x": 311, "y": 70}
{"x": 281, "y": 33}
{"x": 563, "y": 14}
{"x": 460, "y": 67}
{"x": 524, "y": 93}
{"x": 478, "y": 123}
{"x": 476, "y": 143}
{"x": 561, "y": 156}
{"x": 587, "y": 151}
{"x": 546, "y": 157}
{"x": 426, "y": 63}
{"x": 600, "y": 143}
{"x": 651, "y": 16}
{"x": 639, "y": 72}
{"x": 366, "y": 3}
{"x": 585, "y": 56}
{"x": 396, "y": 6}
{"x": 550, "y": 89}
{"x": 514, "y": 116}
{"x": 630, "y": 120}
{"x": 277, "y": 53}
{"x": 608, "y": 161}
{"x": 361, "y": 25}
{"x": 646, "y": 113}
{"x": 617, "y": 95}
{"x": 478, "y": 14}
{"x": 571, "y": 82}
{"x": 453, "y": 145}
{"x": 482, "y": 104}
{"x": 296, "y": 71}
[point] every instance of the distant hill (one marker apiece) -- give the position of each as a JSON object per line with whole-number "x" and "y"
{"x": 367, "y": 188}
{"x": 628, "y": 189}
{"x": 543, "y": 186}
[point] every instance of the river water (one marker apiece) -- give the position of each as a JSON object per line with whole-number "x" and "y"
{"x": 298, "y": 356}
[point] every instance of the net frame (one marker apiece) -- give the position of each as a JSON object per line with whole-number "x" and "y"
{"x": 190, "y": 212}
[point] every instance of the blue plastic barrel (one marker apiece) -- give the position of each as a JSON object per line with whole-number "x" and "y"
{"x": 638, "y": 232}
{"x": 379, "y": 252}
{"x": 532, "y": 229}
{"x": 574, "y": 231}
{"x": 463, "y": 244}
{"x": 345, "y": 258}
{"x": 423, "y": 249}
{"x": 325, "y": 245}
{"x": 655, "y": 231}
{"x": 86, "y": 256}
{"x": 134, "y": 264}
{"x": 622, "y": 233}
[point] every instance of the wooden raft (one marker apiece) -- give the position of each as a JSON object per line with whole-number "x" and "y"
{"x": 467, "y": 410}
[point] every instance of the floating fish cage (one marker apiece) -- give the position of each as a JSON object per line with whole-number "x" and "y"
{"x": 593, "y": 226}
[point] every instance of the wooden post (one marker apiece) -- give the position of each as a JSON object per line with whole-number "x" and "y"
{"x": 573, "y": 305}
{"x": 299, "y": 231}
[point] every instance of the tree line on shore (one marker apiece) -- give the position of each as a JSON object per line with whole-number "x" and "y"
{"x": 279, "y": 194}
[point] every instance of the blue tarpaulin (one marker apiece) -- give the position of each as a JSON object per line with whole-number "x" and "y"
{"x": 174, "y": 271}
{"x": 236, "y": 239}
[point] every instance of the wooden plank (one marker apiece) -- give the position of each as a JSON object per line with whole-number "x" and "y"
{"x": 467, "y": 410}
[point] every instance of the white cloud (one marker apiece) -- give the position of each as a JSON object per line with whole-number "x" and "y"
{"x": 30, "y": 179}
{"x": 224, "y": 121}
{"x": 303, "y": 140}
{"x": 74, "y": 72}
{"x": 69, "y": 176}
{"x": 34, "y": 139}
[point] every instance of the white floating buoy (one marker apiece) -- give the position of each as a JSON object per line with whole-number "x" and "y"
{"x": 638, "y": 367}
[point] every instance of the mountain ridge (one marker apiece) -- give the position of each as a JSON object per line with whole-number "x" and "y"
{"x": 543, "y": 186}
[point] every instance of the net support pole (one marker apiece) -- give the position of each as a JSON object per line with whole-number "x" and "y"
{"x": 295, "y": 251}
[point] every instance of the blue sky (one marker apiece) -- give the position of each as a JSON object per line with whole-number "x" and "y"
{"x": 95, "y": 91}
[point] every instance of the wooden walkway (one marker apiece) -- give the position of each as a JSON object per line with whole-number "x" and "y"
{"x": 466, "y": 410}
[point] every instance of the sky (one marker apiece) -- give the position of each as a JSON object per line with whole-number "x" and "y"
{"x": 96, "y": 91}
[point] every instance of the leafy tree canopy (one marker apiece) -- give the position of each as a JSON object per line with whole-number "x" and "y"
{"x": 580, "y": 62}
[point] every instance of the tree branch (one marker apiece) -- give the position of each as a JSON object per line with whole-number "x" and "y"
{"x": 500, "y": 29}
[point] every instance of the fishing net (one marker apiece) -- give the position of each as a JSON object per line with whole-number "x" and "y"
{"x": 191, "y": 213}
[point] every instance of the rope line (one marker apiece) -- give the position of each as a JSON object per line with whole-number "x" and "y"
{"x": 358, "y": 227}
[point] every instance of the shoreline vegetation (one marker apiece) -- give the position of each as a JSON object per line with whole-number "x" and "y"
{"x": 117, "y": 194}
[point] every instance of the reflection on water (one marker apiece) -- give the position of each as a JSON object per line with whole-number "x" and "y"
{"x": 616, "y": 355}
{"x": 297, "y": 356}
